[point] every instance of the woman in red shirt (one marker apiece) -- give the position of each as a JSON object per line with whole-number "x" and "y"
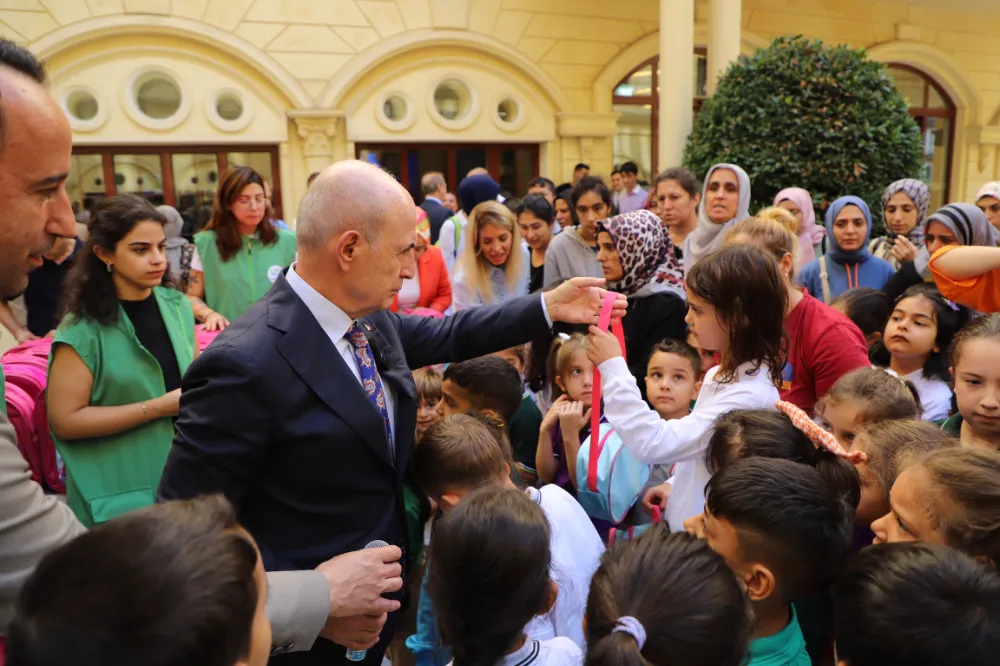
{"x": 430, "y": 288}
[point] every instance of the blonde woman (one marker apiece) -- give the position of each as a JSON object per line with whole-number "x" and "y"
{"x": 494, "y": 265}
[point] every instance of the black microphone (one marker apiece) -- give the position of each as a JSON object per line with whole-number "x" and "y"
{"x": 359, "y": 655}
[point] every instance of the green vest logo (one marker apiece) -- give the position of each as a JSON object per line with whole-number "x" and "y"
{"x": 273, "y": 272}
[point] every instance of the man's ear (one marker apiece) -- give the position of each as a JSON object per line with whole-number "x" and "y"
{"x": 346, "y": 246}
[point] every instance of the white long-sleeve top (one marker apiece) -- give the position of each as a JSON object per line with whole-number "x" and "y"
{"x": 679, "y": 442}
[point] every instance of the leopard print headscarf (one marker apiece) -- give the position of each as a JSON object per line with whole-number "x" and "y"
{"x": 646, "y": 252}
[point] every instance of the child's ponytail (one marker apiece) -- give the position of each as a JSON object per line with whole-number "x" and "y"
{"x": 616, "y": 649}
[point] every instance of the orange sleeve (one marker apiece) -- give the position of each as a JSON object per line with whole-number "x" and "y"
{"x": 981, "y": 292}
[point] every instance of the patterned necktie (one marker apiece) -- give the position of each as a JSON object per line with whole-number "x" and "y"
{"x": 369, "y": 376}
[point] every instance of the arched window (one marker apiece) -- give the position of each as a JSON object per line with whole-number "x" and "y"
{"x": 637, "y": 98}
{"x": 934, "y": 111}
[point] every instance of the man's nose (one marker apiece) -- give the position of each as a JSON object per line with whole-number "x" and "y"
{"x": 61, "y": 221}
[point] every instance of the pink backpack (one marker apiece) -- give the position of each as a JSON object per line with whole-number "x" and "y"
{"x": 21, "y": 413}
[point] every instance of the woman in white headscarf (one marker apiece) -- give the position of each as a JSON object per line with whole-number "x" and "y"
{"x": 988, "y": 200}
{"x": 725, "y": 200}
{"x": 179, "y": 250}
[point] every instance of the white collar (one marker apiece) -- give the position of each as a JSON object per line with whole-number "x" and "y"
{"x": 636, "y": 189}
{"x": 334, "y": 321}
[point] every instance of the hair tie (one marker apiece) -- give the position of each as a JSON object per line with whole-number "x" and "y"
{"x": 819, "y": 437}
{"x": 631, "y": 626}
{"x": 951, "y": 304}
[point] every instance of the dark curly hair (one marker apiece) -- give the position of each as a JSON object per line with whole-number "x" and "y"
{"x": 745, "y": 286}
{"x": 224, "y": 223}
{"x": 90, "y": 289}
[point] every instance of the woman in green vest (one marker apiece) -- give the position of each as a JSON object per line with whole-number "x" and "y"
{"x": 240, "y": 254}
{"x": 116, "y": 364}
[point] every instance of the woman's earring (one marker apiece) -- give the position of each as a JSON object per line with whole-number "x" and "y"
{"x": 108, "y": 266}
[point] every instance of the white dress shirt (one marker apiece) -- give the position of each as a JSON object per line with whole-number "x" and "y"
{"x": 335, "y": 324}
{"x": 679, "y": 442}
{"x": 935, "y": 396}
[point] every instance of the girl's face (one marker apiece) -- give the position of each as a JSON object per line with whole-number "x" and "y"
{"x": 140, "y": 258}
{"x": 722, "y": 196}
{"x": 578, "y": 381}
{"x": 607, "y": 257}
{"x": 794, "y": 209}
{"x": 563, "y": 216}
{"x": 249, "y": 207}
{"x": 495, "y": 243}
{"x": 991, "y": 206}
{"x": 873, "y": 504}
{"x": 590, "y": 208}
{"x": 912, "y": 329}
{"x": 977, "y": 387}
{"x": 676, "y": 206}
{"x": 850, "y": 228}
{"x": 938, "y": 236}
{"x": 908, "y": 518}
{"x": 704, "y": 322}
{"x": 900, "y": 214}
{"x": 426, "y": 416}
{"x": 842, "y": 418}
{"x": 536, "y": 231}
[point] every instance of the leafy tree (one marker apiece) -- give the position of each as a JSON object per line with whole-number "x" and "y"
{"x": 801, "y": 114}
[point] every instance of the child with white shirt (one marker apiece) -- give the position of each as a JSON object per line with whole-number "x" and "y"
{"x": 463, "y": 453}
{"x": 736, "y": 299}
{"x": 490, "y": 574}
{"x": 916, "y": 342}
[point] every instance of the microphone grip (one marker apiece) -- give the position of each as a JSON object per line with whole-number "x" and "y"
{"x": 359, "y": 655}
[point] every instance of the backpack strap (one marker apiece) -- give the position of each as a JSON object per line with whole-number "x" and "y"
{"x": 824, "y": 277}
{"x": 596, "y": 441}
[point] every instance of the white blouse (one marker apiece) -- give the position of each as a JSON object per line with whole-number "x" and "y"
{"x": 679, "y": 442}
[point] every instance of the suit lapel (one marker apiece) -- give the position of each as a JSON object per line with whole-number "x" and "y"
{"x": 314, "y": 357}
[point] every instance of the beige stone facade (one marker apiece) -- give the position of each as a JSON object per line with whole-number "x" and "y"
{"x": 308, "y": 82}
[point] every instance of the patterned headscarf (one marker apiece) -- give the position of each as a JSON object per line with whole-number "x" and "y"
{"x": 967, "y": 223}
{"x": 989, "y": 190}
{"x": 646, "y": 253}
{"x": 810, "y": 233}
{"x": 423, "y": 225}
{"x": 837, "y": 254}
{"x": 920, "y": 195}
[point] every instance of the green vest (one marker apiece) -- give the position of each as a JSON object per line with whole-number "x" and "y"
{"x": 109, "y": 476}
{"x": 231, "y": 287}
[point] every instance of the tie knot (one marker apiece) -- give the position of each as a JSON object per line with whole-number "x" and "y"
{"x": 356, "y": 336}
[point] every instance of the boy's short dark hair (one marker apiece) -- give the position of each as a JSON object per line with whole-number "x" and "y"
{"x": 542, "y": 181}
{"x": 680, "y": 348}
{"x": 788, "y": 517}
{"x": 459, "y": 451}
{"x": 630, "y": 167}
{"x": 581, "y": 165}
{"x": 918, "y": 604}
{"x": 491, "y": 382}
{"x": 168, "y": 585}
{"x": 538, "y": 206}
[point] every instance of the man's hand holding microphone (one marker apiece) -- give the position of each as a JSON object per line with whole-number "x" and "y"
{"x": 357, "y": 582}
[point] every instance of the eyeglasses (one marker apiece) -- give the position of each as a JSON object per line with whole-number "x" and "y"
{"x": 248, "y": 202}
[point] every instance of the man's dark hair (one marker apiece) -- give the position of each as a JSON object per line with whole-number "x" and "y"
{"x": 918, "y": 604}
{"x": 616, "y": 171}
{"x": 630, "y": 167}
{"x": 491, "y": 382}
{"x": 168, "y": 585}
{"x": 581, "y": 165}
{"x": 21, "y": 59}
{"x": 538, "y": 206}
{"x": 788, "y": 517}
{"x": 542, "y": 181}
{"x": 588, "y": 184}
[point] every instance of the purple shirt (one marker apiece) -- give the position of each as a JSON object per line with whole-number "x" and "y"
{"x": 630, "y": 201}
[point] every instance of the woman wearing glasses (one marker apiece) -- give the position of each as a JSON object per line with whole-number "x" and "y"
{"x": 240, "y": 254}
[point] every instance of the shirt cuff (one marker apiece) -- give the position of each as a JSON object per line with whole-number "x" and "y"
{"x": 614, "y": 367}
{"x": 545, "y": 311}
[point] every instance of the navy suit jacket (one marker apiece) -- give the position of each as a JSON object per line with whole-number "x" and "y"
{"x": 272, "y": 417}
{"x": 436, "y": 215}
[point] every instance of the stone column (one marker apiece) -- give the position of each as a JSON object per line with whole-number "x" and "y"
{"x": 676, "y": 82}
{"x": 724, "y": 26}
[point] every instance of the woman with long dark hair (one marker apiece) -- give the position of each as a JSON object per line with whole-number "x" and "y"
{"x": 117, "y": 360}
{"x": 241, "y": 252}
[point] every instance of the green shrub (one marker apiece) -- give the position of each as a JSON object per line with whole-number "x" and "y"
{"x": 801, "y": 114}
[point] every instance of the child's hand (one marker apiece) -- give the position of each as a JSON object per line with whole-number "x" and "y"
{"x": 572, "y": 418}
{"x": 603, "y": 346}
{"x": 695, "y": 525}
{"x": 552, "y": 416}
{"x": 657, "y": 496}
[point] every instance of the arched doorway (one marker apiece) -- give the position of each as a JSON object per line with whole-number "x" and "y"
{"x": 935, "y": 112}
{"x": 636, "y": 97}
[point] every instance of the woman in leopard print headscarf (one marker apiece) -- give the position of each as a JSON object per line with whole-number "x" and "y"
{"x": 638, "y": 259}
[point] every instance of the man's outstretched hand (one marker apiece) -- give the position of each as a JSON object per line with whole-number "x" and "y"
{"x": 578, "y": 301}
{"x": 359, "y": 579}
